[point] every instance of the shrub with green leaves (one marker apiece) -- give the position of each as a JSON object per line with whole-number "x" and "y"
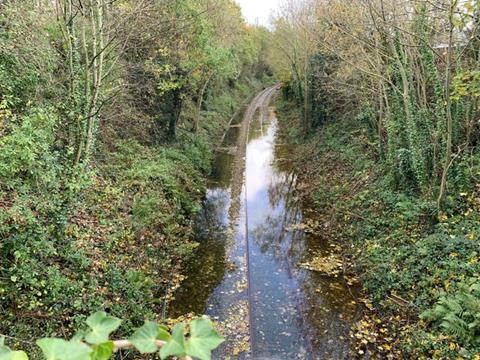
{"x": 111, "y": 227}
{"x": 94, "y": 343}
{"x": 406, "y": 255}
{"x": 458, "y": 314}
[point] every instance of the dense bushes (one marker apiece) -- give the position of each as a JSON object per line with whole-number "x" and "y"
{"x": 114, "y": 245}
{"x": 113, "y": 236}
{"x": 396, "y": 159}
{"x": 409, "y": 260}
{"x": 97, "y": 199}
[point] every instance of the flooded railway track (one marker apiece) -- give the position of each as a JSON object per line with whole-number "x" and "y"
{"x": 247, "y": 274}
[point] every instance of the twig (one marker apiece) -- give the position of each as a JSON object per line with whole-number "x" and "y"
{"x": 126, "y": 344}
{"x": 16, "y": 339}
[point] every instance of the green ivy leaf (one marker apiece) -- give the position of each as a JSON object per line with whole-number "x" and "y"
{"x": 163, "y": 333}
{"x": 203, "y": 339}
{"x": 176, "y": 344}
{"x": 102, "y": 326}
{"x": 102, "y": 351}
{"x": 13, "y": 355}
{"x": 7, "y": 354}
{"x": 144, "y": 338}
{"x": 18, "y": 355}
{"x": 475, "y": 287}
{"x": 59, "y": 349}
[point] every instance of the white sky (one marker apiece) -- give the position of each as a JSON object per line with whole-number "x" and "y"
{"x": 260, "y": 10}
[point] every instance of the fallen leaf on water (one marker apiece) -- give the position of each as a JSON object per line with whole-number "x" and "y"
{"x": 330, "y": 265}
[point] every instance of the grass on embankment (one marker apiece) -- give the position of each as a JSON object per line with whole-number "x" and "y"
{"x": 406, "y": 258}
{"x": 114, "y": 237}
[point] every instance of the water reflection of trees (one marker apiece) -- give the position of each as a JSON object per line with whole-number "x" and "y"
{"x": 328, "y": 313}
{"x": 325, "y": 302}
{"x": 274, "y": 234}
{"x": 214, "y": 210}
{"x": 282, "y": 188}
{"x": 206, "y": 269}
{"x": 257, "y": 126}
{"x": 221, "y": 174}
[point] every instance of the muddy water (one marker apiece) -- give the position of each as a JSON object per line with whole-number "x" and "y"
{"x": 247, "y": 274}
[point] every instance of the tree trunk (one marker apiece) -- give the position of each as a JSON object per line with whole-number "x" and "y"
{"x": 200, "y": 102}
{"x": 97, "y": 8}
{"x": 175, "y": 114}
{"x": 448, "y": 102}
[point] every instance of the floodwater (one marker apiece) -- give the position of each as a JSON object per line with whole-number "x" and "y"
{"x": 248, "y": 274}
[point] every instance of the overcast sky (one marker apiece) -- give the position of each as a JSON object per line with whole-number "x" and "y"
{"x": 260, "y": 10}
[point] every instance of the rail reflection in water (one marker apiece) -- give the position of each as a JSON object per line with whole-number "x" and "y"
{"x": 267, "y": 306}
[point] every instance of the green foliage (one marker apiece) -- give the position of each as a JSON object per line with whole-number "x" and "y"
{"x": 458, "y": 313}
{"x": 145, "y": 338}
{"x": 25, "y": 61}
{"x": 74, "y": 241}
{"x": 319, "y": 101}
{"x": 402, "y": 249}
{"x": 59, "y": 349}
{"x": 8, "y": 354}
{"x": 150, "y": 338}
{"x": 202, "y": 340}
{"x": 26, "y": 157}
{"x": 101, "y": 326}
{"x": 466, "y": 84}
{"x": 177, "y": 345}
{"x": 114, "y": 230}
